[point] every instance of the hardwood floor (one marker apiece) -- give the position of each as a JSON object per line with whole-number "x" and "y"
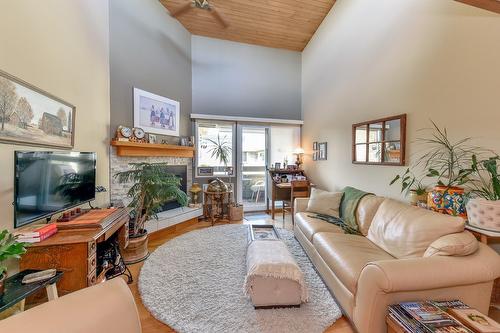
{"x": 151, "y": 325}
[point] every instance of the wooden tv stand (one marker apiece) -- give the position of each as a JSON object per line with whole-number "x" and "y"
{"x": 73, "y": 251}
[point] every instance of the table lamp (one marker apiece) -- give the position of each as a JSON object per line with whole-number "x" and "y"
{"x": 299, "y": 152}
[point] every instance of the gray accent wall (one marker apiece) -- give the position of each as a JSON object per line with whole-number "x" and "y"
{"x": 149, "y": 50}
{"x": 235, "y": 79}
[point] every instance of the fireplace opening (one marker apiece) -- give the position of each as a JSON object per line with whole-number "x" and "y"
{"x": 181, "y": 172}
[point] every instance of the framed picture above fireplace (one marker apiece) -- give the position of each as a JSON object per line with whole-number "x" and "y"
{"x": 156, "y": 114}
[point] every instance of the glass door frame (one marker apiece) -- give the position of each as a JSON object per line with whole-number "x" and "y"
{"x": 239, "y": 164}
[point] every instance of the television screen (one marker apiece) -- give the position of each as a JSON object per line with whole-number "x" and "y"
{"x": 50, "y": 182}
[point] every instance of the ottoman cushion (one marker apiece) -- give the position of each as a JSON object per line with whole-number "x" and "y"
{"x": 273, "y": 277}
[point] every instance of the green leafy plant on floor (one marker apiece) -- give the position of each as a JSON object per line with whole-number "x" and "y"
{"x": 152, "y": 187}
{"x": 10, "y": 248}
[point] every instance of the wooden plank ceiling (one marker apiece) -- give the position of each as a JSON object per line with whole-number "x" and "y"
{"x": 286, "y": 24}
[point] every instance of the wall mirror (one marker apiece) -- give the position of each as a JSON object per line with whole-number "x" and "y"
{"x": 380, "y": 142}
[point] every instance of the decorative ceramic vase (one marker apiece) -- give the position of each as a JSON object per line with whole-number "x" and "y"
{"x": 415, "y": 198}
{"x": 484, "y": 214}
{"x": 447, "y": 200}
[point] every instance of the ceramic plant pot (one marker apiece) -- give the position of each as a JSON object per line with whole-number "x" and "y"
{"x": 447, "y": 200}
{"x": 484, "y": 214}
{"x": 137, "y": 249}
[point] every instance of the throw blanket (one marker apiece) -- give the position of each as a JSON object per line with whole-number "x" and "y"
{"x": 272, "y": 259}
{"x": 338, "y": 222}
{"x": 349, "y": 205}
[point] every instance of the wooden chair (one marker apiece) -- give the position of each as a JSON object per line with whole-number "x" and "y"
{"x": 299, "y": 189}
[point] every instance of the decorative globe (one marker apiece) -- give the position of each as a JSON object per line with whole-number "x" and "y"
{"x": 217, "y": 185}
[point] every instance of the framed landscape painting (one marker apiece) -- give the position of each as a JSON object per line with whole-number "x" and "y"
{"x": 33, "y": 117}
{"x": 156, "y": 114}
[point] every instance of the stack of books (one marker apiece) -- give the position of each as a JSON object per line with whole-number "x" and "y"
{"x": 36, "y": 233}
{"x": 441, "y": 317}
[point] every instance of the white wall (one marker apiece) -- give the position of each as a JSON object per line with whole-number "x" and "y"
{"x": 61, "y": 47}
{"x": 431, "y": 59}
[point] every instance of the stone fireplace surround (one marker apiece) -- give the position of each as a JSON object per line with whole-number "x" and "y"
{"x": 119, "y": 191}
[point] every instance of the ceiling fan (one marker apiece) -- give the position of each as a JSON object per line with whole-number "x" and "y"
{"x": 200, "y": 4}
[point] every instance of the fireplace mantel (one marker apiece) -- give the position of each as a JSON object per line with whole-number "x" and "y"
{"x": 134, "y": 149}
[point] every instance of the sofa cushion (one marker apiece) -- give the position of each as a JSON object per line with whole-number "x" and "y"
{"x": 406, "y": 231}
{"x": 367, "y": 209}
{"x": 323, "y": 202}
{"x": 459, "y": 244}
{"x": 347, "y": 255}
{"x": 310, "y": 225}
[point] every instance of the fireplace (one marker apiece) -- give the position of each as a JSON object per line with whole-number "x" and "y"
{"x": 181, "y": 172}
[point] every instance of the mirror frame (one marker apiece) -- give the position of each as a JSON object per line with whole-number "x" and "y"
{"x": 402, "y": 140}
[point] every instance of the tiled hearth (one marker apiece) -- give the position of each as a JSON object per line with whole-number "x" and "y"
{"x": 119, "y": 191}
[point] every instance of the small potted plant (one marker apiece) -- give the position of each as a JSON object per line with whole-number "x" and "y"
{"x": 449, "y": 163}
{"x": 152, "y": 187}
{"x": 10, "y": 248}
{"x": 483, "y": 204}
{"x": 412, "y": 187}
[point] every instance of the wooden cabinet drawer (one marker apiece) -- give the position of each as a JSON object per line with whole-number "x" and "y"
{"x": 91, "y": 264}
{"x": 92, "y": 248}
{"x": 91, "y": 279}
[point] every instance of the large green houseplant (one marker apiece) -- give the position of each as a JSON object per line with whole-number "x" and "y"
{"x": 10, "y": 248}
{"x": 220, "y": 149}
{"x": 151, "y": 187}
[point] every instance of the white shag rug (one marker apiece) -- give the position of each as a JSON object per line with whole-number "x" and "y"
{"x": 194, "y": 283}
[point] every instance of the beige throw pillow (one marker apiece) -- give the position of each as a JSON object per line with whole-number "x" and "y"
{"x": 323, "y": 202}
{"x": 458, "y": 244}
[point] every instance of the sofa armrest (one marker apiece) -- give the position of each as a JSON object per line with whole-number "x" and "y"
{"x": 431, "y": 272}
{"x": 300, "y": 205}
{"x": 106, "y": 307}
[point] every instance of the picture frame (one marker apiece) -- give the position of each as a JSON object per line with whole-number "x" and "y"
{"x": 315, "y": 145}
{"x": 152, "y": 138}
{"x": 229, "y": 171}
{"x": 205, "y": 171}
{"x": 156, "y": 114}
{"x": 33, "y": 117}
{"x": 322, "y": 151}
{"x": 277, "y": 166}
{"x": 315, "y": 156}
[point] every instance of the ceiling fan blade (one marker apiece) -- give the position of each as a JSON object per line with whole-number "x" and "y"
{"x": 181, "y": 10}
{"x": 219, "y": 17}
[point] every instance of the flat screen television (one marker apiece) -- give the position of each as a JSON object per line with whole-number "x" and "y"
{"x": 47, "y": 183}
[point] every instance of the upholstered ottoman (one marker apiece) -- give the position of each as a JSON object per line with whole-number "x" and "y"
{"x": 273, "y": 277}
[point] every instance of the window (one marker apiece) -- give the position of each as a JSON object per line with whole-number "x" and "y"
{"x": 380, "y": 141}
{"x": 212, "y": 139}
{"x": 284, "y": 141}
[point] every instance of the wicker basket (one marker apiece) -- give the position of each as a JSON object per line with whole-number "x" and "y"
{"x": 236, "y": 213}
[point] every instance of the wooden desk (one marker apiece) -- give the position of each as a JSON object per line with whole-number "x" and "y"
{"x": 279, "y": 191}
{"x": 73, "y": 251}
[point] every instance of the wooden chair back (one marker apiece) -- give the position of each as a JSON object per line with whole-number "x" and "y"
{"x": 300, "y": 189}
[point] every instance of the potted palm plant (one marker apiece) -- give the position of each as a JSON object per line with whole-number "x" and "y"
{"x": 152, "y": 187}
{"x": 220, "y": 149}
{"x": 483, "y": 204}
{"x": 10, "y": 248}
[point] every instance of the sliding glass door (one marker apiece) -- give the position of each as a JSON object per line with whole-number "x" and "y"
{"x": 252, "y": 154}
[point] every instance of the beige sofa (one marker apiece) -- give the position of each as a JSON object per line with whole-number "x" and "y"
{"x": 394, "y": 261}
{"x": 104, "y": 308}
